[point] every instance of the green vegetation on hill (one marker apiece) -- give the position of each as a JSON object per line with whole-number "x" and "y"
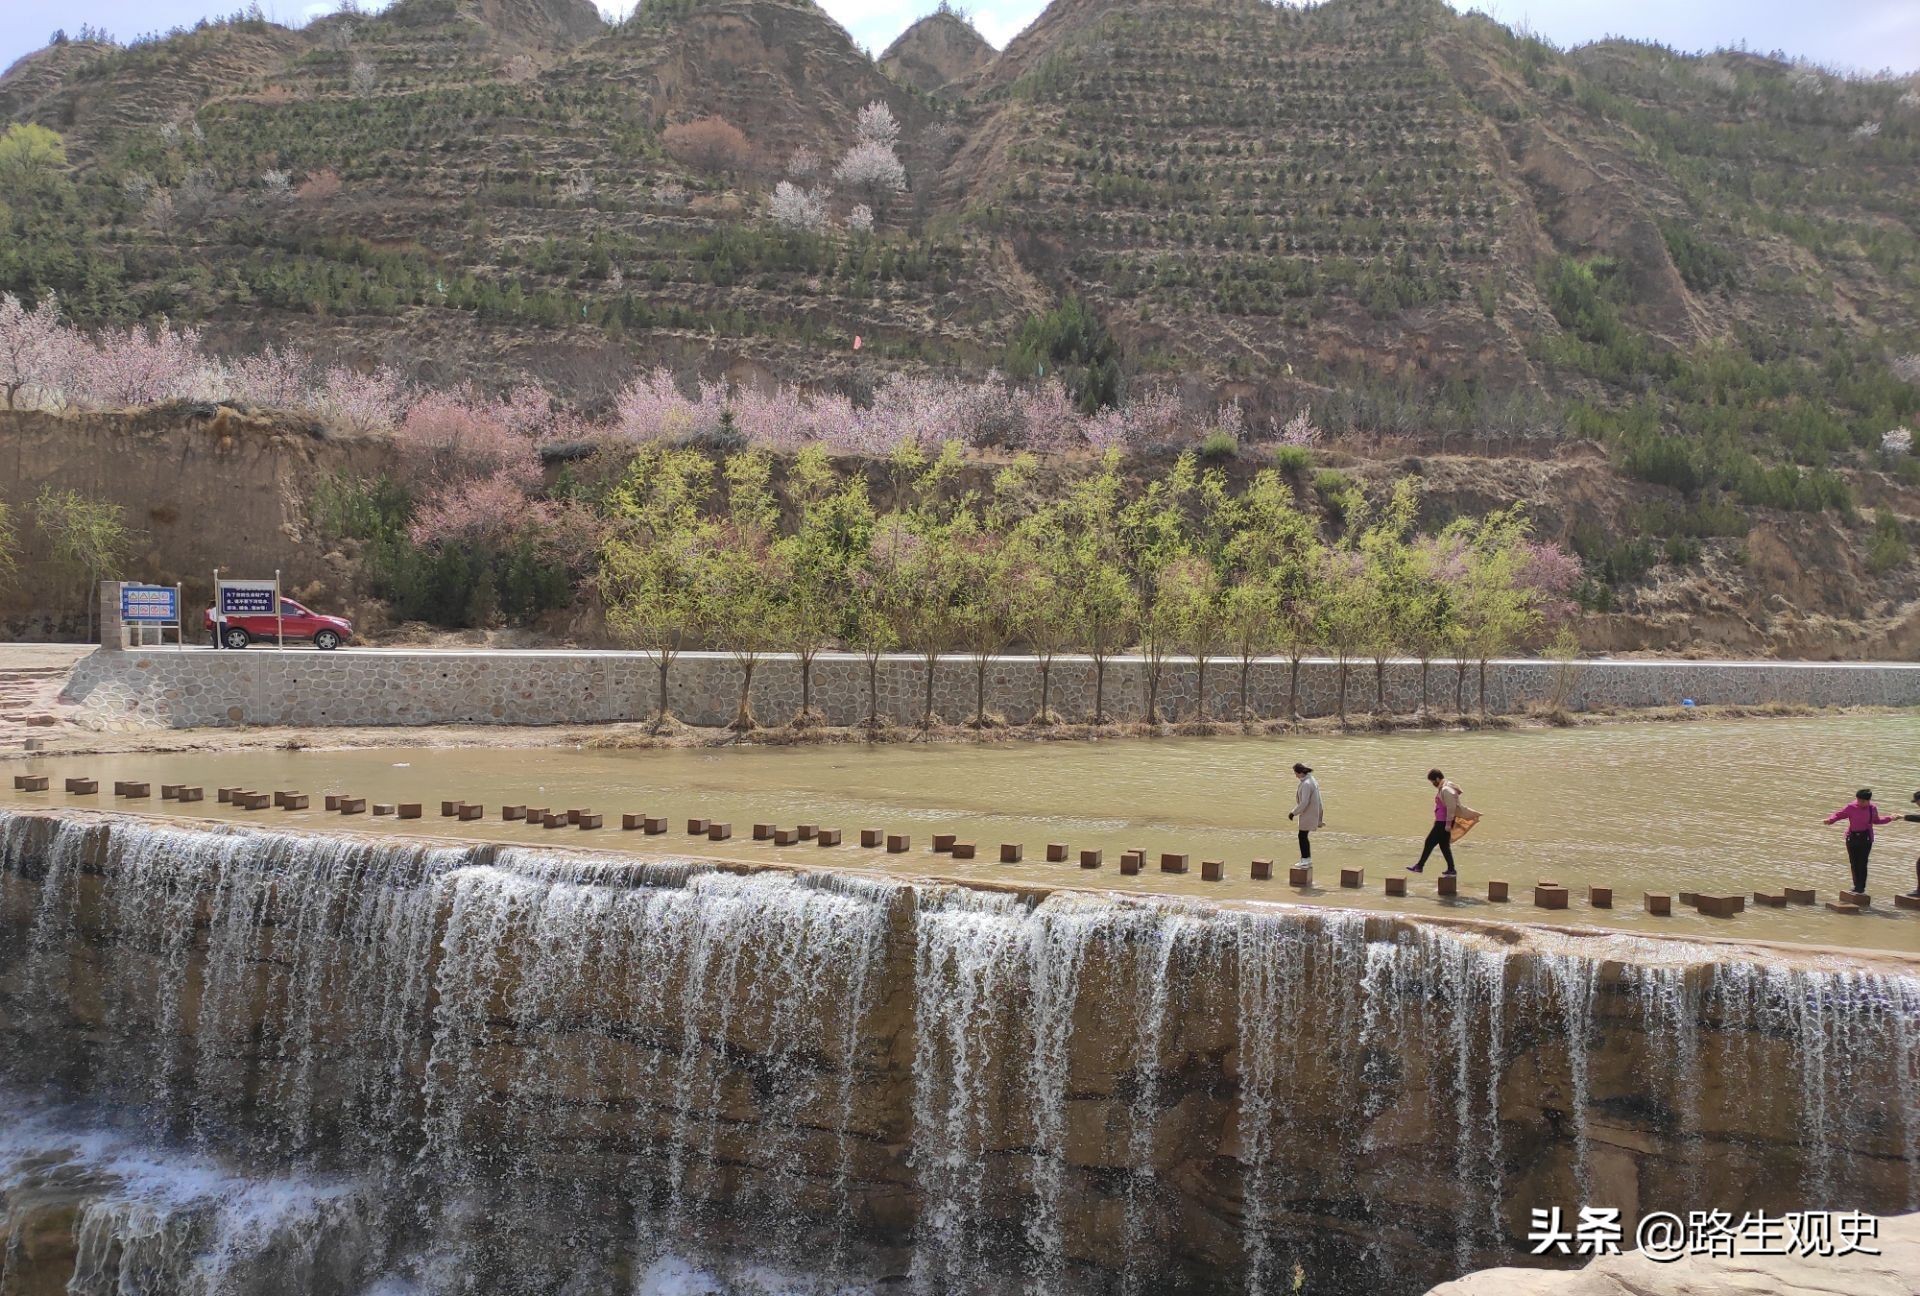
{"x": 1418, "y": 225}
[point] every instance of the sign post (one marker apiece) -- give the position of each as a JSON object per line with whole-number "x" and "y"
{"x": 245, "y": 598}
{"x": 157, "y": 606}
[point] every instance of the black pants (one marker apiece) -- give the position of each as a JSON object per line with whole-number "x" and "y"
{"x": 1859, "y": 846}
{"x": 1306, "y": 844}
{"x": 1441, "y": 836}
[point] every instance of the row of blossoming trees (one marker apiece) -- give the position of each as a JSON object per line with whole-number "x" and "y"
{"x": 476, "y": 457}
{"x": 46, "y": 363}
{"x": 1179, "y": 563}
{"x": 693, "y": 545}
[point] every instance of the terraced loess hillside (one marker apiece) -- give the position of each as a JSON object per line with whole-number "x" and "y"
{"x": 936, "y": 51}
{"x": 485, "y": 202}
{"x": 1248, "y": 186}
{"x": 1416, "y": 222}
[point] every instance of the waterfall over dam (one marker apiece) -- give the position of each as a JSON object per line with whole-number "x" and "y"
{"x": 257, "y": 1061}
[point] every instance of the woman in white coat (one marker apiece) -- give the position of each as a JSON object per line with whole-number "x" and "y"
{"x": 1307, "y": 813}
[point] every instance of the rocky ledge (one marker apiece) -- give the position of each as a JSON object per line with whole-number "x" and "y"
{"x": 1895, "y": 1271}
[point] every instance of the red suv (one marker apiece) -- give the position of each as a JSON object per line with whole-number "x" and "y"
{"x": 296, "y": 622}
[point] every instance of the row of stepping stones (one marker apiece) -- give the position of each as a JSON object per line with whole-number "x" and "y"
{"x": 1546, "y": 894}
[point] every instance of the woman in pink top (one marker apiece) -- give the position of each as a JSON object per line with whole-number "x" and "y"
{"x": 1862, "y": 816}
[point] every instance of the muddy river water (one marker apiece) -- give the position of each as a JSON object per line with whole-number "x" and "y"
{"x": 1718, "y": 807}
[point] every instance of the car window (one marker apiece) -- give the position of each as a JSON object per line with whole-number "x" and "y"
{"x": 289, "y": 608}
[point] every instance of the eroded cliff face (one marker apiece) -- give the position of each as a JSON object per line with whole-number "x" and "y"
{"x": 528, "y": 1068}
{"x": 200, "y": 486}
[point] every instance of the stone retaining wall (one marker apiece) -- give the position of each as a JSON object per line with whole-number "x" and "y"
{"x": 196, "y": 688}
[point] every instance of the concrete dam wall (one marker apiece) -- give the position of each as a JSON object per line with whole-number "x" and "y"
{"x": 488, "y": 1069}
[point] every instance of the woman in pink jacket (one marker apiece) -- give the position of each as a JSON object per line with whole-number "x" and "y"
{"x": 1862, "y": 817}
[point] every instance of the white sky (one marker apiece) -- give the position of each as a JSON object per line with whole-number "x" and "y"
{"x": 1864, "y": 35}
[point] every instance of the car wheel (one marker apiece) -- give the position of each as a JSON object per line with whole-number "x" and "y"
{"x": 327, "y": 640}
{"x": 235, "y": 637}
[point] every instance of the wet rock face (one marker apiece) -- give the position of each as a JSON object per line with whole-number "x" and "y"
{"x": 533, "y": 1063}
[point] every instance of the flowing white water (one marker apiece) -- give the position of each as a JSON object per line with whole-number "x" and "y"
{"x": 477, "y": 1069}
{"x": 968, "y": 965}
{"x": 156, "y": 1221}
